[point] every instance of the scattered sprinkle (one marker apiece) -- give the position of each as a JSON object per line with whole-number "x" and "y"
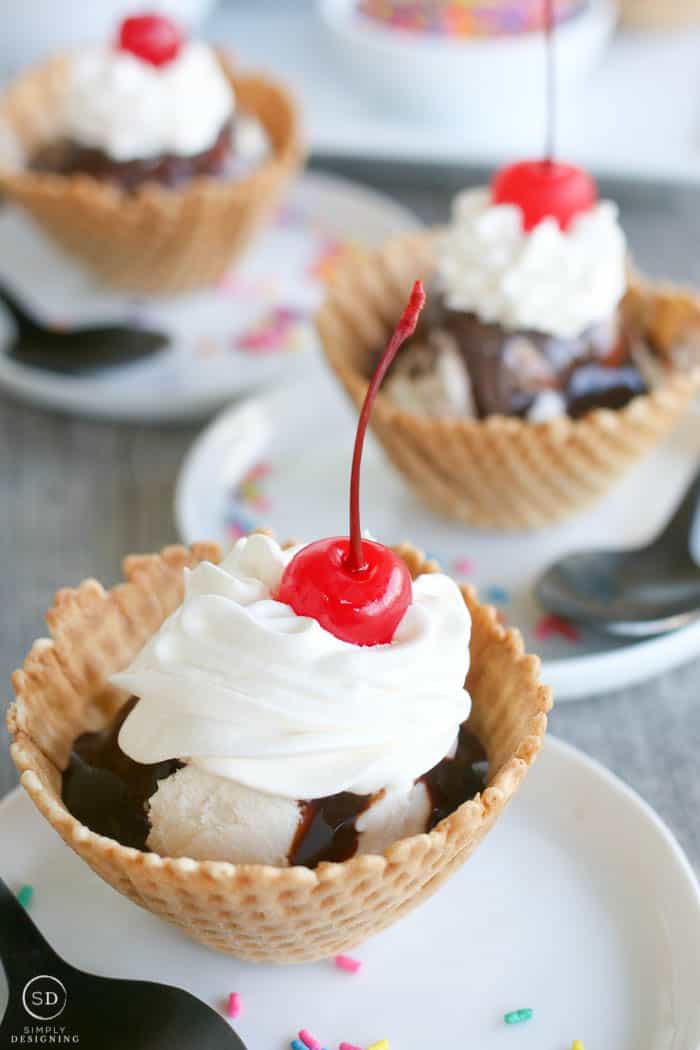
{"x": 234, "y": 1005}
{"x": 497, "y": 595}
{"x": 577, "y": 1045}
{"x": 349, "y": 1046}
{"x": 383, "y": 1044}
{"x": 309, "y": 1040}
{"x": 518, "y": 1016}
{"x": 550, "y": 625}
{"x": 296, "y": 1044}
{"x": 463, "y": 567}
{"x": 347, "y": 963}
{"x": 25, "y": 895}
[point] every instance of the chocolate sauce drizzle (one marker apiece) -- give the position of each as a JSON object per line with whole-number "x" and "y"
{"x": 106, "y": 790}
{"x": 328, "y": 829}
{"x": 64, "y": 157}
{"x": 508, "y": 369}
{"x": 457, "y": 779}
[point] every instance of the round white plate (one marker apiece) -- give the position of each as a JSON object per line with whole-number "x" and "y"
{"x": 283, "y": 460}
{"x": 252, "y": 328}
{"x": 579, "y": 905}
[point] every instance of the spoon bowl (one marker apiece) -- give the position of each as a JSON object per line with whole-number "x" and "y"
{"x": 77, "y": 350}
{"x": 637, "y": 593}
{"x": 102, "y": 1011}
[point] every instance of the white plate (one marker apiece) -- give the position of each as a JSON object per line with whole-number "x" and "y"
{"x": 253, "y": 328}
{"x": 272, "y": 461}
{"x": 579, "y": 904}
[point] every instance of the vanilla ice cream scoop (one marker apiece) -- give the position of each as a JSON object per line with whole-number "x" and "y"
{"x": 206, "y": 817}
{"x": 200, "y": 815}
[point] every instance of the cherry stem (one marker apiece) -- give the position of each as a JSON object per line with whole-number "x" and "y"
{"x": 550, "y": 88}
{"x": 404, "y": 329}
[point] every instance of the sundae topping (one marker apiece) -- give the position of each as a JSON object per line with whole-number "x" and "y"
{"x": 132, "y": 109}
{"x": 239, "y": 685}
{"x": 182, "y": 811}
{"x": 152, "y": 38}
{"x": 544, "y": 189}
{"x": 356, "y": 589}
{"x": 106, "y": 790}
{"x": 431, "y": 378}
{"x": 555, "y": 281}
{"x": 361, "y": 606}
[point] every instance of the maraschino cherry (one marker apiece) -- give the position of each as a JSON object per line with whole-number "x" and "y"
{"x": 152, "y": 38}
{"x": 544, "y": 188}
{"x": 357, "y": 589}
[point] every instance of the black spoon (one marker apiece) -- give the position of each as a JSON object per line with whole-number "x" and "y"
{"x": 105, "y": 1013}
{"x": 84, "y": 349}
{"x": 640, "y": 592}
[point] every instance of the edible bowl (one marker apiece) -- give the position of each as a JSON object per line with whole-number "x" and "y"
{"x": 502, "y": 472}
{"x": 257, "y": 912}
{"x": 158, "y": 239}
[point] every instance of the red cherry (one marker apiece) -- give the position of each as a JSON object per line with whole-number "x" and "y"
{"x": 152, "y": 38}
{"x": 544, "y": 188}
{"x": 363, "y": 606}
{"x": 358, "y": 590}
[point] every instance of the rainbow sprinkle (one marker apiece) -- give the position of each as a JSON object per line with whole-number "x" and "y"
{"x": 309, "y": 1040}
{"x": 383, "y": 1044}
{"x": 24, "y": 895}
{"x": 248, "y": 490}
{"x": 279, "y": 329}
{"x": 323, "y": 268}
{"x": 350, "y": 965}
{"x": 550, "y": 625}
{"x": 349, "y": 1046}
{"x": 234, "y": 1005}
{"x": 463, "y": 567}
{"x": 466, "y": 18}
{"x": 497, "y": 595}
{"x": 518, "y": 1016}
{"x": 577, "y": 1045}
{"x": 296, "y": 1044}
{"x": 247, "y": 501}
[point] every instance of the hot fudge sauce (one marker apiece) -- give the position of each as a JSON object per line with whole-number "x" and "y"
{"x": 106, "y": 790}
{"x": 328, "y": 830}
{"x": 64, "y": 157}
{"x": 109, "y": 792}
{"x": 508, "y": 370}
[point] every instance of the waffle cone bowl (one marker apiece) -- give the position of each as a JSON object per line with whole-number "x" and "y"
{"x": 659, "y": 14}
{"x": 501, "y": 472}
{"x": 157, "y": 240}
{"x": 253, "y": 911}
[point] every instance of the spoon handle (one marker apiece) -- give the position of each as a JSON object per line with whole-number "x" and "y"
{"x": 22, "y": 947}
{"x": 681, "y": 522}
{"x": 12, "y": 304}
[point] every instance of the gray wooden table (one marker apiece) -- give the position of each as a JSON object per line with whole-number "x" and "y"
{"x": 76, "y": 495}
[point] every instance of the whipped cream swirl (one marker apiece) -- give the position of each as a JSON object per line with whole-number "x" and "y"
{"x": 133, "y": 110}
{"x": 555, "y": 281}
{"x": 239, "y": 685}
